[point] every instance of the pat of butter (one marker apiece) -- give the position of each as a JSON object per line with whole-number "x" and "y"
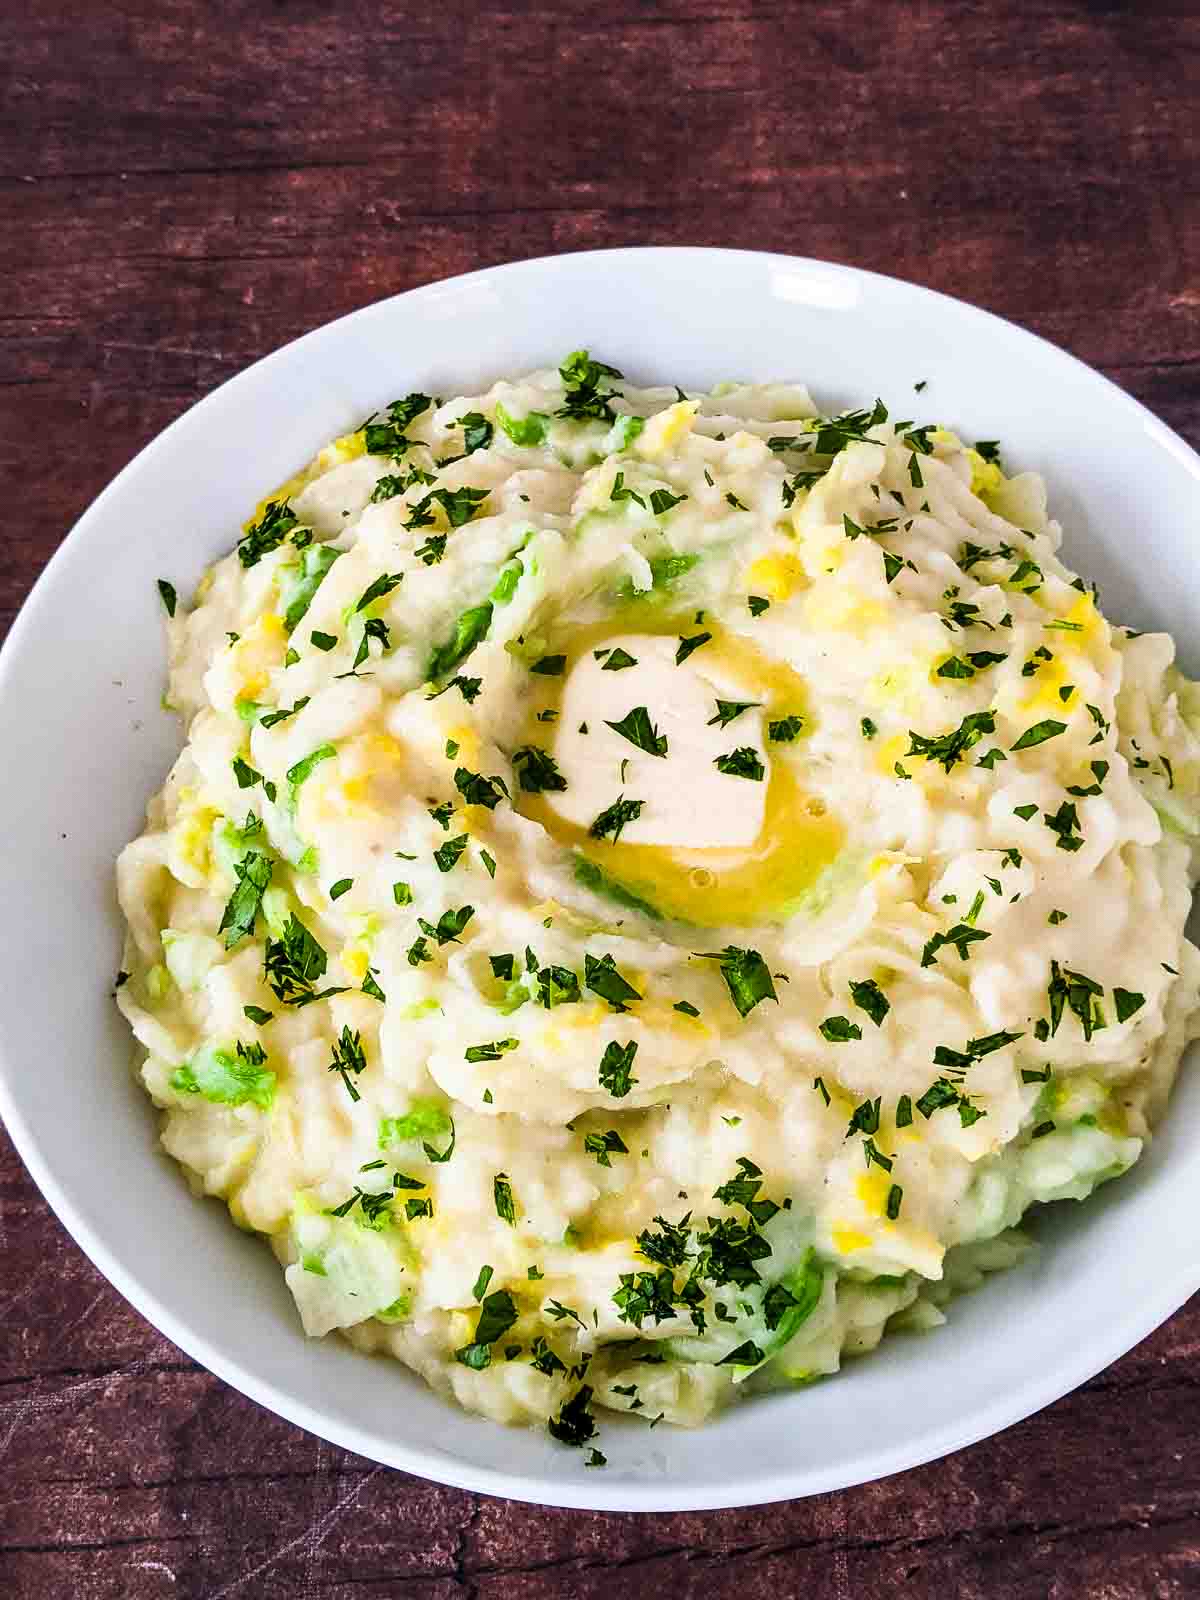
{"x": 687, "y": 802}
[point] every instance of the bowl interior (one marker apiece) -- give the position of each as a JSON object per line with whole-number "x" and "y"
{"x": 86, "y": 743}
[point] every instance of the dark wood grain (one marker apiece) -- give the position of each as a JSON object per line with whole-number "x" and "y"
{"x": 185, "y": 187}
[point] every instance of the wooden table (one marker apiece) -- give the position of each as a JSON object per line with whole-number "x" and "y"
{"x": 187, "y": 187}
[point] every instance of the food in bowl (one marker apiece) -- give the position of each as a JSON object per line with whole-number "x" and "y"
{"x": 656, "y": 886}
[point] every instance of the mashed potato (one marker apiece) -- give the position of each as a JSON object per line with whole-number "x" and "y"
{"x": 656, "y": 886}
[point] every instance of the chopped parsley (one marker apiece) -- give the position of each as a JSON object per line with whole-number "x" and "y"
{"x": 603, "y": 978}
{"x": 169, "y": 599}
{"x": 375, "y": 1207}
{"x": 537, "y": 771}
{"x": 270, "y": 718}
{"x": 605, "y": 1145}
{"x": 618, "y": 660}
{"x": 967, "y": 666}
{"x": 686, "y": 647}
{"x": 468, "y": 687}
{"x": 614, "y": 817}
{"x": 758, "y": 604}
{"x": 489, "y": 1052}
{"x": 865, "y": 1118}
{"x": 1038, "y": 734}
{"x": 839, "y": 1030}
{"x": 869, "y": 997}
{"x": 616, "y": 1068}
{"x": 949, "y": 748}
{"x": 349, "y": 1059}
{"x": 583, "y": 399}
{"x": 833, "y": 434}
{"x": 460, "y": 505}
{"x": 477, "y": 435}
{"x": 574, "y": 1424}
{"x": 746, "y": 975}
{"x": 1127, "y": 1003}
{"x": 960, "y": 937}
{"x": 394, "y": 483}
{"x": 383, "y": 585}
{"x": 742, "y": 763}
{"x": 550, "y": 666}
{"x": 1099, "y": 773}
{"x": 245, "y": 774}
{"x": 253, "y": 873}
{"x": 449, "y": 925}
{"x": 786, "y": 730}
{"x": 875, "y": 1157}
{"x": 727, "y": 710}
{"x": 1074, "y": 992}
{"x": 503, "y": 1197}
{"x": 433, "y": 550}
{"x": 341, "y": 887}
{"x": 447, "y": 855}
{"x": 941, "y": 1093}
{"x": 387, "y": 438}
{"x": 662, "y": 501}
{"x": 497, "y": 1315}
{"x": 1102, "y": 724}
{"x": 640, "y": 731}
{"x": 1064, "y": 823}
{"x": 620, "y": 492}
{"x": 477, "y": 790}
{"x": 267, "y": 534}
{"x": 373, "y": 628}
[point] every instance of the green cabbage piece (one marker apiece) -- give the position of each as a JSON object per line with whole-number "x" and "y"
{"x": 665, "y": 574}
{"x": 528, "y": 430}
{"x": 346, "y": 1273}
{"x": 299, "y": 581}
{"x": 189, "y": 957}
{"x": 232, "y": 1076}
{"x": 470, "y": 628}
{"x": 593, "y": 877}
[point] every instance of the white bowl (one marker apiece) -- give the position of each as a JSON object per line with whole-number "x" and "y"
{"x": 85, "y": 743}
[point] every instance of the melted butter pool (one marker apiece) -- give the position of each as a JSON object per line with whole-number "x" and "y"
{"x": 708, "y": 848}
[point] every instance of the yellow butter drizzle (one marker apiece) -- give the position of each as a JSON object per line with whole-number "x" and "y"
{"x": 712, "y": 887}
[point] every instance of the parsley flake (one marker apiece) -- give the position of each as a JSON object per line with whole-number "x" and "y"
{"x": 746, "y": 974}
{"x": 744, "y": 762}
{"x": 614, "y": 817}
{"x": 616, "y": 1068}
{"x": 640, "y": 731}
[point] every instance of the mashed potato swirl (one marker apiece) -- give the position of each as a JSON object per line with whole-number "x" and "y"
{"x": 656, "y": 886}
